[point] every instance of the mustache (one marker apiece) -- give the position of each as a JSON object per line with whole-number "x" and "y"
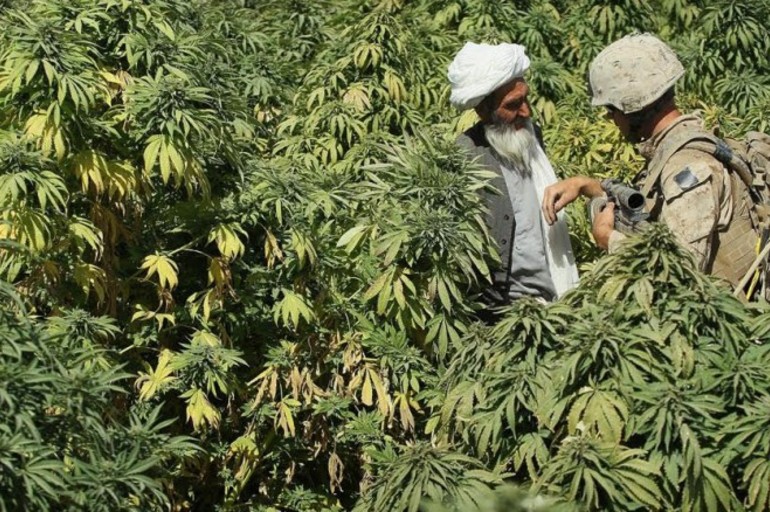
{"x": 497, "y": 120}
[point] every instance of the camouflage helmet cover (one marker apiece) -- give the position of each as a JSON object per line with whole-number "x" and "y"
{"x": 633, "y": 72}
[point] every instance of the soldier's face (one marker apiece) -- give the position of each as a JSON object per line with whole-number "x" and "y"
{"x": 508, "y": 105}
{"x": 623, "y": 122}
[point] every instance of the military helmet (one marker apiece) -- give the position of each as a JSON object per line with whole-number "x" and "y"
{"x": 633, "y": 72}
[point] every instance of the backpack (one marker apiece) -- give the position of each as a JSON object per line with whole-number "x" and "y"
{"x": 749, "y": 160}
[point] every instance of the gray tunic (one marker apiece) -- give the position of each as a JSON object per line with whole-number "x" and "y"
{"x": 529, "y": 274}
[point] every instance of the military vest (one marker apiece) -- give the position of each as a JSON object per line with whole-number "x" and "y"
{"x": 734, "y": 247}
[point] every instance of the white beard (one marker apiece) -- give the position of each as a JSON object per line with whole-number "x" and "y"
{"x": 518, "y": 146}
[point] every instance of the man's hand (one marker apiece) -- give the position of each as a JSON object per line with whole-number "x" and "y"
{"x": 562, "y": 193}
{"x": 604, "y": 225}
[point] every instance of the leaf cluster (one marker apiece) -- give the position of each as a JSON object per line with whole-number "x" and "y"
{"x": 63, "y": 443}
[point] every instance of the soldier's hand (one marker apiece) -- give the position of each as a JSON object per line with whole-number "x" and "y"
{"x": 562, "y": 193}
{"x": 604, "y": 225}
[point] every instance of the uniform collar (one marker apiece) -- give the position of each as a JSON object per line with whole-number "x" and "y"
{"x": 648, "y": 148}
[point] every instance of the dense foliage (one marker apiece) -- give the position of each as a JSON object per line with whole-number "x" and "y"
{"x": 257, "y": 210}
{"x": 67, "y": 441}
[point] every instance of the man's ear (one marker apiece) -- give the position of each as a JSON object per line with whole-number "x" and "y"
{"x": 483, "y": 110}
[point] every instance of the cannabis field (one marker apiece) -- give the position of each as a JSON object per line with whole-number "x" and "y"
{"x": 240, "y": 258}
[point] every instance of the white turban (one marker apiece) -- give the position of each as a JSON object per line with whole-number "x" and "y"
{"x": 479, "y": 69}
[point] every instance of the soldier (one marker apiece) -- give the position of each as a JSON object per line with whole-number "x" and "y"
{"x": 705, "y": 206}
{"x": 536, "y": 257}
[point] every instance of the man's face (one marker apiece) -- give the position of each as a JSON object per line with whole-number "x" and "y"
{"x": 624, "y": 124}
{"x": 617, "y": 117}
{"x": 508, "y": 105}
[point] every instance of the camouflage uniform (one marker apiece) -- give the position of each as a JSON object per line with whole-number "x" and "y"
{"x": 702, "y": 202}
{"x": 704, "y": 205}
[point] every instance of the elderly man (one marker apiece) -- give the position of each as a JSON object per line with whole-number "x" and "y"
{"x": 691, "y": 190}
{"x": 536, "y": 257}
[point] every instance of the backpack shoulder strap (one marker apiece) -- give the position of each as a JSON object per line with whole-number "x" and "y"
{"x": 701, "y": 141}
{"x": 758, "y": 155}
